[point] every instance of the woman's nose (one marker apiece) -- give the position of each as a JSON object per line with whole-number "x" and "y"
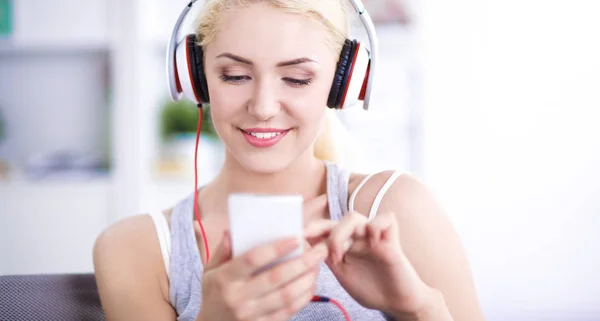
{"x": 265, "y": 103}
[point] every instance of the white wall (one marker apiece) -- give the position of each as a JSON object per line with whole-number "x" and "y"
{"x": 513, "y": 145}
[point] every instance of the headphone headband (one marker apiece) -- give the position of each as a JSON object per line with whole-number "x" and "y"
{"x": 373, "y": 46}
{"x": 175, "y": 91}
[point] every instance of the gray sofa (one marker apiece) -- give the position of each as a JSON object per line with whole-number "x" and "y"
{"x": 56, "y": 297}
{"x": 70, "y": 297}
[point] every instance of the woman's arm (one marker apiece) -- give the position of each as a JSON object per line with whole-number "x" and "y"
{"x": 431, "y": 244}
{"x": 130, "y": 274}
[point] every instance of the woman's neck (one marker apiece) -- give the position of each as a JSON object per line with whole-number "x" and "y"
{"x": 306, "y": 176}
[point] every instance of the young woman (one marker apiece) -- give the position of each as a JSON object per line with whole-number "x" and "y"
{"x": 377, "y": 245}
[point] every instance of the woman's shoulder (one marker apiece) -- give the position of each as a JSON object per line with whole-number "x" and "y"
{"x": 129, "y": 250}
{"x": 132, "y": 232}
{"x": 365, "y": 189}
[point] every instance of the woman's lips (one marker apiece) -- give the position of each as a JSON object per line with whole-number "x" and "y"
{"x": 264, "y": 137}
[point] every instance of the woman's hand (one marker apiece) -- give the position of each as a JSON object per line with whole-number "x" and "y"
{"x": 368, "y": 261}
{"x": 231, "y": 290}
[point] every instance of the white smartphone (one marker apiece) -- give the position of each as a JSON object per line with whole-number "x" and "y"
{"x": 257, "y": 219}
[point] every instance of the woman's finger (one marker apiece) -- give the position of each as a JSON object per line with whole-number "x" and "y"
{"x": 379, "y": 228}
{"x": 373, "y": 234}
{"x": 357, "y": 246}
{"x": 284, "y": 296}
{"x": 307, "y": 245}
{"x": 353, "y": 225}
{"x": 285, "y": 272}
{"x": 319, "y": 228}
{"x": 248, "y": 263}
{"x": 375, "y": 229}
{"x": 292, "y": 308}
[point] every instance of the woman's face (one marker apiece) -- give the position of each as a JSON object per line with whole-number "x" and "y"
{"x": 269, "y": 74}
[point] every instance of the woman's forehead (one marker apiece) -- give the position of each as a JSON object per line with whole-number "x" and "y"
{"x": 262, "y": 31}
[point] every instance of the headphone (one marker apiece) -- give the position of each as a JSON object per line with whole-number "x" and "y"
{"x": 353, "y": 80}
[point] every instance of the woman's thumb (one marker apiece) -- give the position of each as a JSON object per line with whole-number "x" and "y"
{"x": 222, "y": 254}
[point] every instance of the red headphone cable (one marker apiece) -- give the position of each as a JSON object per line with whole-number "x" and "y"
{"x": 196, "y": 208}
{"x": 315, "y": 298}
{"x": 318, "y": 298}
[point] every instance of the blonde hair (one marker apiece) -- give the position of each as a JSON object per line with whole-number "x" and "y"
{"x": 335, "y": 143}
{"x": 333, "y": 16}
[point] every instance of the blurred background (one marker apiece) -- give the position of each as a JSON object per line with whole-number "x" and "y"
{"x": 495, "y": 105}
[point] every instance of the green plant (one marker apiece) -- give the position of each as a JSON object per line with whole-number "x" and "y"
{"x": 181, "y": 117}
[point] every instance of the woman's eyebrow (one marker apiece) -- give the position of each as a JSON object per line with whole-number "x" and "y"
{"x": 237, "y": 58}
{"x": 295, "y": 62}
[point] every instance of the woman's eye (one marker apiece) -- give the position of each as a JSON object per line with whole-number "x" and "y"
{"x": 298, "y": 82}
{"x": 234, "y": 79}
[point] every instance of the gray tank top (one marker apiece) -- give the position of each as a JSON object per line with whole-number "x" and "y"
{"x": 185, "y": 272}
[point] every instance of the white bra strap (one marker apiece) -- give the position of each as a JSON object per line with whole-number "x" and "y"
{"x": 164, "y": 237}
{"x": 353, "y": 196}
{"x": 381, "y": 194}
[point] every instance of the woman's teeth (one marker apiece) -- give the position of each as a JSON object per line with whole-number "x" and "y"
{"x": 265, "y": 135}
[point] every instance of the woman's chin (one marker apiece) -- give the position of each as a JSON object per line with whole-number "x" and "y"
{"x": 265, "y": 165}
{"x": 268, "y": 160}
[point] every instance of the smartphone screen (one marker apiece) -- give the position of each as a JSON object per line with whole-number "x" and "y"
{"x": 256, "y": 219}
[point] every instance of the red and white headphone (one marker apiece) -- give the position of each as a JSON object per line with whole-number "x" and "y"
{"x": 352, "y": 82}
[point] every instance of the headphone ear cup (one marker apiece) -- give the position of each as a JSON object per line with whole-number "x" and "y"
{"x": 357, "y": 79}
{"x": 340, "y": 78}
{"x": 196, "y": 56}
